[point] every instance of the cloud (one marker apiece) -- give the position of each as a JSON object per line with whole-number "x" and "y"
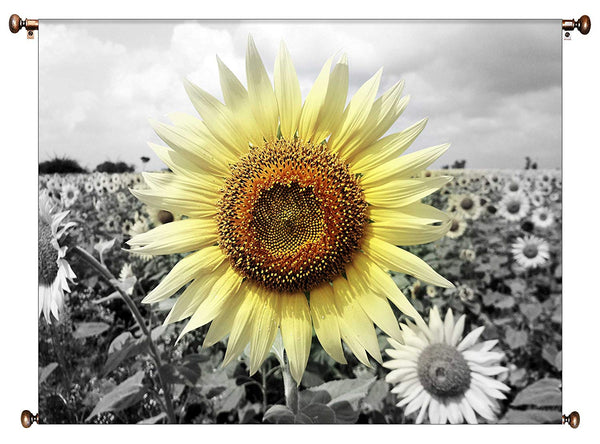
{"x": 491, "y": 88}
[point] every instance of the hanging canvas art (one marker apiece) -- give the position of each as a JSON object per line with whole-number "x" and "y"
{"x": 300, "y": 222}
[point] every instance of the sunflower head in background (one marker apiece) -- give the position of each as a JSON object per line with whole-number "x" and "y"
{"x": 293, "y": 212}
{"x": 54, "y": 272}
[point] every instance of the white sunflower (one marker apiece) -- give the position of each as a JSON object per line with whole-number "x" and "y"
{"x": 514, "y": 207}
{"x": 69, "y": 194}
{"x": 458, "y": 225}
{"x": 54, "y": 272}
{"x": 468, "y": 255}
{"x": 514, "y": 185}
{"x": 442, "y": 377}
{"x": 531, "y": 251}
{"x": 468, "y": 205}
{"x": 542, "y": 217}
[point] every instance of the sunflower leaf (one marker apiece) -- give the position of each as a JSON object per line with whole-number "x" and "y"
{"x": 89, "y": 329}
{"x": 44, "y": 372}
{"x": 543, "y": 393}
{"x": 124, "y": 395}
{"x": 532, "y": 416}
{"x": 279, "y": 414}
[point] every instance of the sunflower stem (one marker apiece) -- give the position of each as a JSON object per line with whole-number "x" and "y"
{"x": 106, "y": 274}
{"x": 290, "y": 388}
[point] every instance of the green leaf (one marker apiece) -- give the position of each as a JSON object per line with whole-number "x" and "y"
{"x": 349, "y": 390}
{"x": 320, "y": 414}
{"x": 124, "y": 395}
{"x": 376, "y": 396}
{"x": 122, "y": 347}
{"x": 103, "y": 246}
{"x": 311, "y": 379}
{"x": 532, "y": 416}
{"x": 279, "y": 414}
{"x": 558, "y": 361}
{"x": 44, "y": 372}
{"x": 247, "y": 413}
{"x": 505, "y": 302}
{"x": 344, "y": 412}
{"x": 492, "y": 298}
{"x": 518, "y": 377}
{"x": 517, "y": 286}
{"x": 550, "y": 354}
{"x": 543, "y": 393}
{"x": 154, "y": 419}
{"x": 515, "y": 338}
{"x": 531, "y": 311}
{"x": 88, "y": 329}
{"x": 229, "y": 399}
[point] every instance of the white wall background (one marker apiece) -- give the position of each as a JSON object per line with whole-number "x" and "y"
{"x": 18, "y": 327}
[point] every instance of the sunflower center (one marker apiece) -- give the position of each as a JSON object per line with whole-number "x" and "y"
{"x": 291, "y": 215}
{"x": 443, "y": 371}
{"x": 467, "y": 203}
{"x": 513, "y": 187}
{"x": 47, "y": 255}
{"x": 513, "y": 207}
{"x": 543, "y": 216}
{"x": 455, "y": 225}
{"x": 287, "y": 217}
{"x": 530, "y": 251}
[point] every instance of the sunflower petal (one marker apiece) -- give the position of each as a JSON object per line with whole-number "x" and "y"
{"x": 260, "y": 92}
{"x": 224, "y": 288}
{"x": 179, "y": 236}
{"x": 393, "y": 258}
{"x": 324, "y": 315}
{"x": 332, "y": 111}
{"x": 222, "y": 324}
{"x": 313, "y": 103}
{"x": 184, "y": 271}
{"x": 296, "y": 331}
{"x": 241, "y": 331}
{"x": 355, "y": 326}
{"x": 236, "y": 98}
{"x": 403, "y": 167}
{"x": 264, "y": 327}
{"x": 387, "y": 148}
{"x": 178, "y": 201}
{"x": 409, "y": 234}
{"x": 217, "y": 117}
{"x": 400, "y": 193}
{"x": 190, "y": 299}
{"x": 375, "y": 305}
{"x": 287, "y": 91}
{"x": 415, "y": 213}
{"x": 382, "y": 283}
{"x": 355, "y": 116}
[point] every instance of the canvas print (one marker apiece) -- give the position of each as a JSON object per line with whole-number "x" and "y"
{"x": 300, "y": 222}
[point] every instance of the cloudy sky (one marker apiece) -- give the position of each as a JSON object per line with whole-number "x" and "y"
{"x": 491, "y": 88}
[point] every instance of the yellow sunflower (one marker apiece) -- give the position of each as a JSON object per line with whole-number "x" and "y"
{"x": 294, "y": 211}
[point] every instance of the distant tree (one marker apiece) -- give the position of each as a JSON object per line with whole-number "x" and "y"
{"x": 114, "y": 167}
{"x": 60, "y": 165}
{"x": 145, "y": 159}
{"x": 529, "y": 165}
{"x": 456, "y": 165}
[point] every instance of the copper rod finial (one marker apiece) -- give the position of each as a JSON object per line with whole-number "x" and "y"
{"x": 28, "y": 418}
{"x": 573, "y": 419}
{"x": 584, "y": 24}
{"x": 15, "y": 23}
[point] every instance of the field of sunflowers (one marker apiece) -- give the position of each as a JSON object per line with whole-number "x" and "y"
{"x": 502, "y": 252}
